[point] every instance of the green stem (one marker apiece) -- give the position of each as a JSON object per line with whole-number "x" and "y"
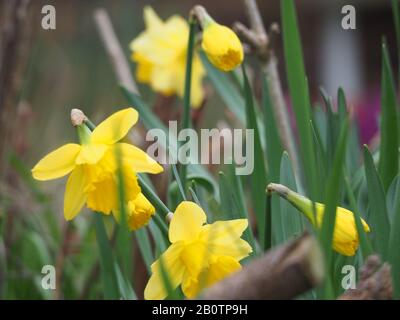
{"x": 152, "y": 196}
{"x": 90, "y": 124}
{"x": 268, "y": 223}
{"x": 186, "y": 120}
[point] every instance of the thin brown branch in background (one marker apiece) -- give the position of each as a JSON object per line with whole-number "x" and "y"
{"x": 282, "y": 273}
{"x": 16, "y": 38}
{"x": 113, "y": 48}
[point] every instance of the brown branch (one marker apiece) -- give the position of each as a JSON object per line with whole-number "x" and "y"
{"x": 256, "y": 23}
{"x": 375, "y": 282}
{"x": 113, "y": 48}
{"x": 261, "y": 44}
{"x": 16, "y": 38}
{"x": 282, "y": 273}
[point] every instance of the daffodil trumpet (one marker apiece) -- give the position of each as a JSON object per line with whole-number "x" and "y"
{"x": 93, "y": 167}
{"x": 345, "y": 235}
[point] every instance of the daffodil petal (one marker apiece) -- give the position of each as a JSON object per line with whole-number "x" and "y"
{"x": 222, "y": 267}
{"x": 155, "y": 288}
{"x": 138, "y": 160}
{"x": 222, "y": 47}
{"x": 190, "y": 286}
{"x": 91, "y": 153}
{"x": 74, "y": 197}
{"x": 186, "y": 222}
{"x": 140, "y": 211}
{"x": 151, "y": 19}
{"x": 223, "y": 238}
{"x": 58, "y": 163}
{"x": 115, "y": 127}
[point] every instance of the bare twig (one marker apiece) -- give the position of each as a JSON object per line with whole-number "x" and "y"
{"x": 16, "y": 38}
{"x": 255, "y": 20}
{"x": 261, "y": 44}
{"x": 113, "y": 48}
{"x": 282, "y": 273}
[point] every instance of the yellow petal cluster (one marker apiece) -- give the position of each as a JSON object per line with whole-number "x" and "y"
{"x": 160, "y": 54}
{"x": 222, "y": 46}
{"x": 92, "y": 168}
{"x": 200, "y": 254}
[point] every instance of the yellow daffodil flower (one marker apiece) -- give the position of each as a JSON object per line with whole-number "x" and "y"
{"x": 200, "y": 254}
{"x": 222, "y": 46}
{"x": 93, "y": 168}
{"x": 160, "y": 54}
{"x": 345, "y": 235}
{"x": 139, "y": 211}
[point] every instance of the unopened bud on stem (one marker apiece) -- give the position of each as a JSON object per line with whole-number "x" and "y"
{"x": 168, "y": 217}
{"x": 77, "y": 117}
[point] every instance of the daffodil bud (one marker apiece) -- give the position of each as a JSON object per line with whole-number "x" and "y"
{"x": 78, "y": 119}
{"x": 345, "y": 236}
{"x": 221, "y": 45}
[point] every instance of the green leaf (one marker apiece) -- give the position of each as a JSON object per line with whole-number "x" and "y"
{"x": 186, "y": 115}
{"x": 228, "y": 208}
{"x": 292, "y": 223}
{"x": 158, "y": 237}
{"x": 299, "y": 93}
{"x": 227, "y": 91}
{"x": 272, "y": 138}
{"x": 394, "y": 239}
{"x": 123, "y": 239}
{"x": 321, "y": 154}
{"x": 331, "y": 202}
{"x": 342, "y": 105}
{"x": 389, "y": 147}
{"x": 259, "y": 175}
{"x": 237, "y": 198}
{"x": 161, "y": 209}
{"x": 127, "y": 292}
{"x": 365, "y": 245}
{"x": 144, "y": 244}
{"x": 178, "y": 181}
{"x": 331, "y": 129}
{"x": 107, "y": 262}
{"x": 379, "y": 221}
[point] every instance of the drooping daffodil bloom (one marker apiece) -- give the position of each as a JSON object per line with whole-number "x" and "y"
{"x": 345, "y": 235}
{"x": 200, "y": 254}
{"x": 221, "y": 45}
{"x": 160, "y": 53}
{"x": 92, "y": 167}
